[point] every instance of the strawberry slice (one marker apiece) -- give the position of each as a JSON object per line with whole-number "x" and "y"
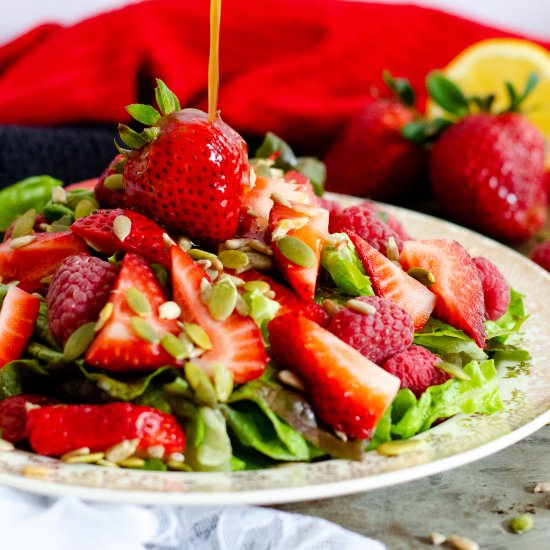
{"x": 348, "y": 392}
{"x": 145, "y": 237}
{"x": 290, "y": 302}
{"x": 256, "y": 203}
{"x": 458, "y": 288}
{"x": 391, "y": 282}
{"x": 31, "y": 262}
{"x": 237, "y": 342}
{"x": 119, "y": 346}
{"x": 309, "y": 225}
{"x": 88, "y": 185}
{"x": 13, "y": 415}
{"x": 17, "y": 318}
{"x": 56, "y": 430}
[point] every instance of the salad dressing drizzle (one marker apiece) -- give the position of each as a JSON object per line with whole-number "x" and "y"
{"x": 213, "y": 61}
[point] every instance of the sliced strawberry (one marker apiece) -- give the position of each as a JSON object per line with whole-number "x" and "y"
{"x": 89, "y": 185}
{"x": 309, "y": 225}
{"x": 40, "y": 258}
{"x": 256, "y": 203}
{"x": 347, "y": 391}
{"x": 145, "y": 238}
{"x": 117, "y": 346}
{"x": 17, "y": 318}
{"x": 13, "y": 415}
{"x": 391, "y": 282}
{"x": 289, "y": 300}
{"x": 457, "y": 285}
{"x": 56, "y": 430}
{"x": 237, "y": 343}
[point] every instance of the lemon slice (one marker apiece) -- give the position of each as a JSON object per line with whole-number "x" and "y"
{"x": 484, "y": 67}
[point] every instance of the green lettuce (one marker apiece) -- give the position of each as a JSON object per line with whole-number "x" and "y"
{"x": 507, "y": 329}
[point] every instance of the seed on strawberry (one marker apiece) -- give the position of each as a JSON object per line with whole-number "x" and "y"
{"x": 79, "y": 289}
{"x": 384, "y": 331}
{"x": 496, "y": 290}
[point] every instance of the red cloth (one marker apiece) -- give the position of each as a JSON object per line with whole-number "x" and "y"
{"x": 300, "y": 68}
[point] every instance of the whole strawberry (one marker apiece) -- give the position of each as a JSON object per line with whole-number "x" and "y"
{"x": 541, "y": 255}
{"x": 487, "y": 170}
{"x": 372, "y": 158}
{"x": 185, "y": 172}
{"x": 109, "y": 189}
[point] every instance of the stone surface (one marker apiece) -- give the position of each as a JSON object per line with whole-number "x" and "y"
{"x": 475, "y": 501}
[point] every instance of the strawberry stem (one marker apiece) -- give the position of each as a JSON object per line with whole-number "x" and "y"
{"x": 213, "y": 61}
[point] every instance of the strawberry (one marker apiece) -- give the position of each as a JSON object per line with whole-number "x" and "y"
{"x": 32, "y": 262}
{"x": 457, "y": 285}
{"x": 88, "y": 185}
{"x": 347, "y": 391}
{"x": 56, "y": 430}
{"x": 487, "y": 170}
{"x": 372, "y": 158}
{"x": 237, "y": 342}
{"x": 391, "y": 282}
{"x": 256, "y": 202}
{"x": 290, "y": 302}
{"x": 13, "y": 415}
{"x": 304, "y": 225}
{"x": 119, "y": 346}
{"x": 145, "y": 238}
{"x": 185, "y": 171}
{"x": 37, "y": 227}
{"x": 17, "y": 318}
{"x": 112, "y": 196}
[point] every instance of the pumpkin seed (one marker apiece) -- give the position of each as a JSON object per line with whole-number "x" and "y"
{"x": 398, "y": 447}
{"x": 197, "y": 335}
{"x": 122, "y": 227}
{"x": 6, "y": 446}
{"x": 223, "y": 382}
{"x": 235, "y": 244}
{"x": 258, "y": 261}
{"x": 259, "y": 246}
{"x": 235, "y": 281}
{"x": 106, "y": 463}
{"x": 288, "y": 378}
{"x": 155, "y": 451}
{"x": 453, "y": 370}
{"x": 222, "y": 300}
{"x": 24, "y": 224}
{"x": 78, "y": 341}
{"x": 543, "y": 487}
{"x": 132, "y": 462}
{"x": 392, "y": 251}
{"x": 279, "y": 198}
{"x": 284, "y": 226}
{"x": 122, "y": 450}
{"x": 522, "y": 523}
{"x": 84, "y": 208}
{"x": 180, "y": 466}
{"x": 114, "y": 182}
{"x": 212, "y": 273}
{"x": 233, "y": 259}
{"x": 201, "y": 384}
{"x": 168, "y": 241}
{"x": 462, "y": 543}
{"x": 104, "y": 316}
{"x": 20, "y": 242}
{"x": 85, "y": 459}
{"x": 242, "y": 307}
{"x": 184, "y": 243}
{"x": 169, "y": 310}
{"x": 175, "y": 347}
{"x": 186, "y": 341}
{"x": 437, "y": 539}
{"x": 81, "y": 451}
{"x": 144, "y": 330}
{"x": 262, "y": 286}
{"x": 332, "y": 307}
{"x": 59, "y": 195}
{"x": 206, "y": 289}
{"x": 297, "y": 251}
{"x": 176, "y": 457}
{"x": 198, "y": 254}
{"x": 361, "y": 307}
{"x": 138, "y": 302}
{"x": 422, "y": 275}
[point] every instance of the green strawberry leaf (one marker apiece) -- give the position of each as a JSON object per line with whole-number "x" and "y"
{"x": 131, "y": 137}
{"x": 315, "y": 170}
{"x": 517, "y": 99}
{"x": 273, "y": 145}
{"x": 146, "y": 114}
{"x": 447, "y": 94}
{"x": 425, "y": 131}
{"x": 166, "y": 99}
{"x": 401, "y": 87}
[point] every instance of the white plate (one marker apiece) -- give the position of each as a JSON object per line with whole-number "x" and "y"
{"x": 526, "y": 398}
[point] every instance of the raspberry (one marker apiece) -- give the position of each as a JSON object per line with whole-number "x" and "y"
{"x": 541, "y": 254}
{"x": 496, "y": 292}
{"x": 333, "y": 207}
{"x": 13, "y": 415}
{"x": 79, "y": 289}
{"x": 365, "y": 220}
{"x": 416, "y": 368}
{"x": 376, "y": 335}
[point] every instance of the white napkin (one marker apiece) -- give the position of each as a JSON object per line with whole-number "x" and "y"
{"x": 30, "y": 522}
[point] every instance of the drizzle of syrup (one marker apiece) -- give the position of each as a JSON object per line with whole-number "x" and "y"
{"x": 214, "y": 59}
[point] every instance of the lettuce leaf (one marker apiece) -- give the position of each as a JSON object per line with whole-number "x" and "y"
{"x": 507, "y": 328}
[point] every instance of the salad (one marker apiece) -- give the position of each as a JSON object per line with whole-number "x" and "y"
{"x": 193, "y": 309}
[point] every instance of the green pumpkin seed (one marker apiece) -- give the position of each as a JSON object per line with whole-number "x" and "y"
{"x": 453, "y": 370}
{"x": 522, "y": 523}
{"x": 122, "y": 227}
{"x": 297, "y": 251}
{"x": 114, "y": 182}
{"x": 138, "y": 302}
{"x": 262, "y": 286}
{"x": 242, "y": 307}
{"x": 201, "y": 384}
{"x": 180, "y": 466}
{"x": 78, "y": 341}
{"x": 81, "y": 451}
{"x": 233, "y": 259}
{"x": 168, "y": 241}
{"x": 106, "y": 463}
{"x": 122, "y": 450}
{"x": 222, "y": 300}
{"x": 258, "y": 261}
{"x": 175, "y": 347}
{"x": 259, "y": 246}
{"x": 198, "y": 254}
{"x": 24, "y": 224}
{"x": 59, "y": 195}
{"x": 223, "y": 382}
{"x": 422, "y": 275}
{"x": 392, "y": 251}
{"x": 84, "y": 208}
{"x": 144, "y": 330}
{"x": 185, "y": 244}
{"x": 398, "y": 447}
{"x": 132, "y": 462}
{"x": 104, "y": 316}
{"x": 197, "y": 335}
{"x": 85, "y": 459}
